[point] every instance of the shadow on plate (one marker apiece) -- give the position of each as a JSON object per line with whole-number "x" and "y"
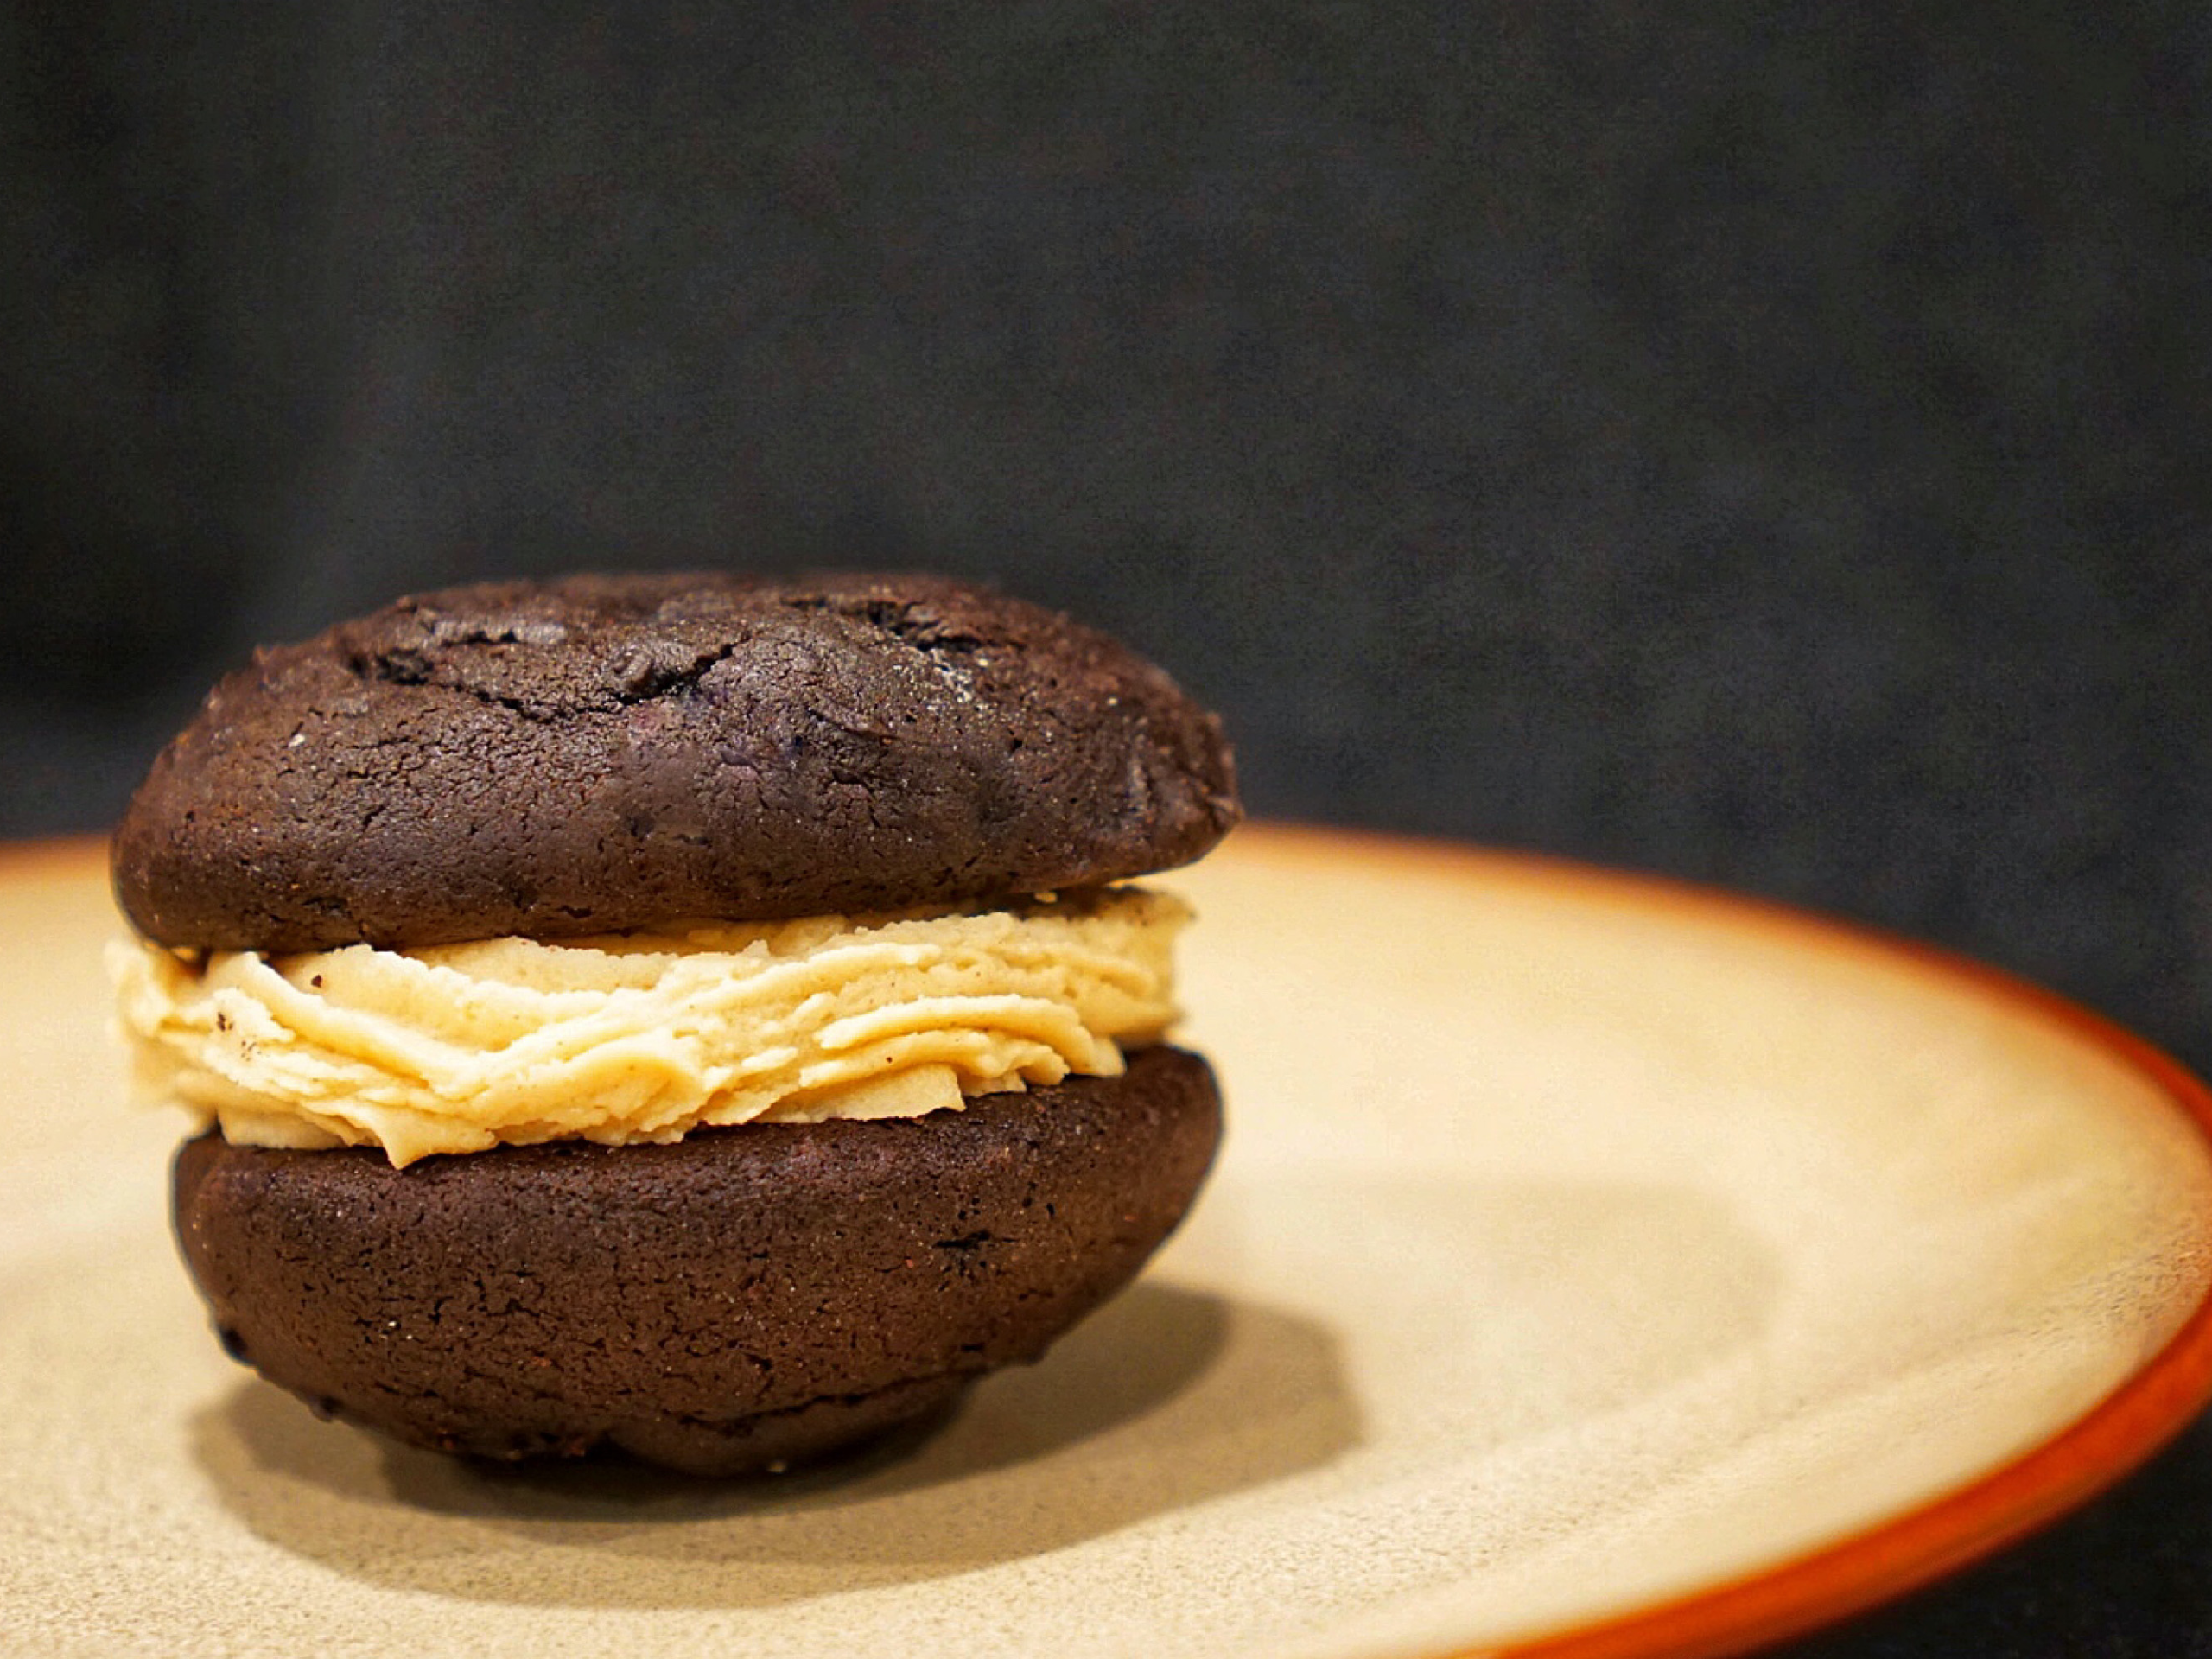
{"x": 1166, "y": 1398}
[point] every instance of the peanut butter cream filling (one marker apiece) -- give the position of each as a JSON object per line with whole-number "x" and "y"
{"x": 642, "y": 1037}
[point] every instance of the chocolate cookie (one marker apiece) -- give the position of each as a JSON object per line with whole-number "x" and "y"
{"x": 611, "y": 753}
{"x": 742, "y": 1298}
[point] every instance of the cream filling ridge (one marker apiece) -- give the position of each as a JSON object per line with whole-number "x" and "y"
{"x": 640, "y": 1037}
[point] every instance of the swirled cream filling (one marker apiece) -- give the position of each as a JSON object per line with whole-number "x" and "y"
{"x": 642, "y": 1037}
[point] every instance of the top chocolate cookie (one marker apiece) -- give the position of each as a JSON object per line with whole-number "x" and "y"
{"x": 603, "y": 753}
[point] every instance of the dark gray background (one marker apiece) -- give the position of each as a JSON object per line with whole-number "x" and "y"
{"x": 1769, "y": 447}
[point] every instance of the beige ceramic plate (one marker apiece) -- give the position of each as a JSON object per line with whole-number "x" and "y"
{"x": 1596, "y": 1266}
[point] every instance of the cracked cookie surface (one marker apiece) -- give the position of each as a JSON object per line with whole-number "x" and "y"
{"x": 606, "y": 753}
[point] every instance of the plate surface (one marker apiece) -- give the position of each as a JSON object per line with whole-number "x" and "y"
{"x": 1596, "y": 1267}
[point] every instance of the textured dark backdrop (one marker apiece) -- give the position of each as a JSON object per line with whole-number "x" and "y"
{"x": 1769, "y": 447}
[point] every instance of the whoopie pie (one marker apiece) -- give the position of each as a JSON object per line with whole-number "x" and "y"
{"x": 703, "y": 1015}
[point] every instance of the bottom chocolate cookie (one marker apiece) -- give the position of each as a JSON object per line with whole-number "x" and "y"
{"x": 742, "y": 1299}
